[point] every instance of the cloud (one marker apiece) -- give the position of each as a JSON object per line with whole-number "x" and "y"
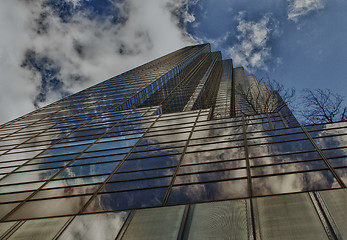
{"x": 252, "y": 50}
{"x": 180, "y": 8}
{"x": 44, "y": 56}
{"x": 300, "y": 8}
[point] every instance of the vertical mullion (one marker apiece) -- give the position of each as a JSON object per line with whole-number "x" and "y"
{"x": 322, "y": 217}
{"x": 61, "y": 170}
{"x": 342, "y": 184}
{"x": 283, "y": 120}
{"x": 118, "y": 166}
{"x": 249, "y": 178}
{"x": 180, "y": 161}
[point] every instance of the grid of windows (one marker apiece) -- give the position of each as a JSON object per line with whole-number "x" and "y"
{"x": 137, "y": 161}
{"x": 273, "y": 217}
{"x": 168, "y": 143}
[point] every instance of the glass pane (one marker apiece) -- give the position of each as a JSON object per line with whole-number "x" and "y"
{"x": 127, "y": 200}
{"x": 39, "y": 229}
{"x": 298, "y": 182}
{"x": 214, "y": 156}
{"x": 142, "y": 174}
{"x": 331, "y": 142}
{"x": 336, "y": 202}
{"x": 4, "y": 226}
{"x": 220, "y": 220}
{"x": 210, "y": 176}
{"x": 288, "y": 167}
{"x": 289, "y": 217}
{"x": 155, "y": 223}
{"x": 5, "y": 208}
{"x": 137, "y": 184}
{"x": 98, "y": 159}
{"x": 14, "y": 197}
{"x": 278, "y": 148}
{"x": 164, "y": 138}
{"x": 50, "y": 207}
{"x": 212, "y": 146}
{"x": 160, "y": 146}
{"x": 208, "y": 191}
{"x": 338, "y": 162}
{"x": 342, "y": 173}
{"x": 64, "y": 150}
{"x": 29, "y": 176}
{"x": 20, "y": 187}
{"x": 149, "y": 163}
{"x": 95, "y": 226}
{"x": 69, "y": 191}
{"x": 211, "y": 166}
{"x": 75, "y": 181}
{"x": 106, "y": 152}
{"x": 43, "y": 166}
{"x": 7, "y": 170}
{"x": 152, "y": 153}
{"x": 86, "y": 170}
{"x": 113, "y": 144}
{"x": 290, "y": 157}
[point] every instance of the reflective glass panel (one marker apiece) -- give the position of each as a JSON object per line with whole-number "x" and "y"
{"x": 127, "y": 200}
{"x": 49, "y": 207}
{"x": 5, "y": 226}
{"x": 142, "y": 174}
{"x": 210, "y": 176}
{"x": 69, "y": 191}
{"x": 289, "y": 167}
{"x": 29, "y": 176}
{"x": 113, "y": 144}
{"x": 338, "y": 162}
{"x": 95, "y": 226}
{"x": 155, "y": 223}
{"x": 296, "y": 182}
{"x": 149, "y": 163}
{"x": 75, "y": 181}
{"x": 220, "y": 220}
{"x": 85, "y": 170}
{"x": 289, "y": 217}
{"x": 212, "y": 166}
{"x": 137, "y": 184}
{"x": 290, "y": 157}
{"x": 12, "y": 197}
{"x": 98, "y": 159}
{"x": 5, "y": 208}
{"x": 342, "y": 173}
{"x": 336, "y": 202}
{"x": 20, "y": 187}
{"x": 278, "y": 148}
{"x": 214, "y": 156}
{"x": 40, "y": 229}
{"x": 208, "y": 191}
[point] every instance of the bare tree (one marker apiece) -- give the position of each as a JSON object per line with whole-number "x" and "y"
{"x": 264, "y": 97}
{"x": 322, "y": 106}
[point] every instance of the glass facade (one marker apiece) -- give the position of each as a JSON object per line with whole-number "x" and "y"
{"x": 171, "y": 150}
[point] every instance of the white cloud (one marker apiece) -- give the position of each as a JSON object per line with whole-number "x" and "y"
{"x": 215, "y": 42}
{"x": 91, "y": 49}
{"x": 299, "y": 8}
{"x": 181, "y": 8}
{"x": 252, "y": 50}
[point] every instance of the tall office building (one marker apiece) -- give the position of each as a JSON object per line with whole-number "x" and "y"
{"x": 183, "y": 147}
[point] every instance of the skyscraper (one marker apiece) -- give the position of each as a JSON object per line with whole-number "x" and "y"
{"x": 183, "y": 147}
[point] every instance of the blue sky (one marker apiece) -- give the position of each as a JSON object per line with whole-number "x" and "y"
{"x": 52, "y": 48}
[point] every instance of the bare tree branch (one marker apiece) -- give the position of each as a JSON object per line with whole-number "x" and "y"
{"x": 322, "y": 106}
{"x": 266, "y": 97}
